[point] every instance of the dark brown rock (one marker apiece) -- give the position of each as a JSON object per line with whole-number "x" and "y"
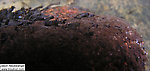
{"x": 97, "y": 43}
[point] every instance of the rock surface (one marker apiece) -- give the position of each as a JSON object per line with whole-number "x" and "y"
{"x": 69, "y": 39}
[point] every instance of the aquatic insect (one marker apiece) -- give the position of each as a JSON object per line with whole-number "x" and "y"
{"x": 79, "y": 16}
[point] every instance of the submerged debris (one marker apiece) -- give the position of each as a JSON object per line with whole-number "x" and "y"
{"x": 21, "y": 17}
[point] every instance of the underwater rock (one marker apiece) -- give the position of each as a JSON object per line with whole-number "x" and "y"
{"x": 86, "y": 43}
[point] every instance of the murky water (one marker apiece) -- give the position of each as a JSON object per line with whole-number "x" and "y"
{"x": 136, "y": 12}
